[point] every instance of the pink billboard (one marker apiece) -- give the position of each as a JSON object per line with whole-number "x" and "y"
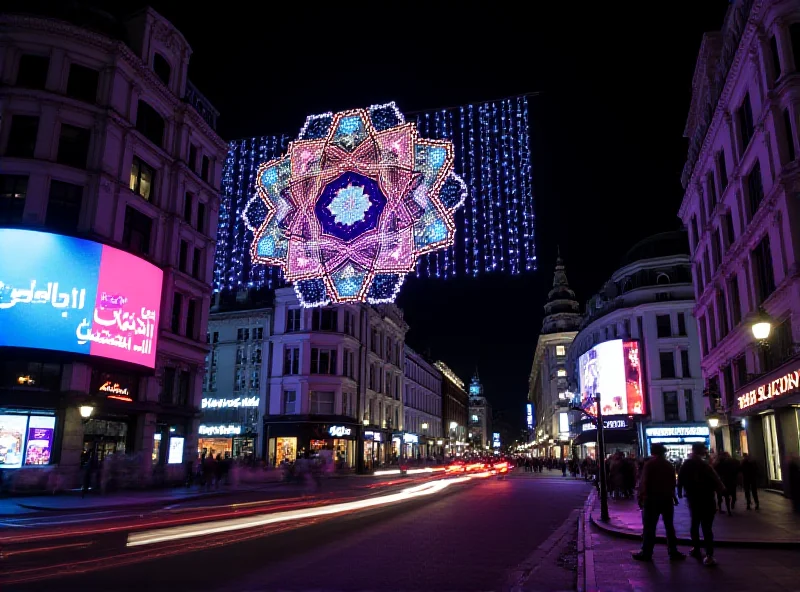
{"x": 612, "y": 372}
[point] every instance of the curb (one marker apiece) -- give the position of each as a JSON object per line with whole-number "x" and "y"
{"x": 637, "y": 536}
{"x": 587, "y": 580}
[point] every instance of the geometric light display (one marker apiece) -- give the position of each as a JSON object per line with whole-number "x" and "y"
{"x": 356, "y": 200}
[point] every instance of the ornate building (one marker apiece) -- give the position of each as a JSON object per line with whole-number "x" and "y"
{"x": 548, "y": 389}
{"x": 422, "y": 404}
{"x": 479, "y": 430}
{"x": 740, "y": 206}
{"x": 104, "y": 138}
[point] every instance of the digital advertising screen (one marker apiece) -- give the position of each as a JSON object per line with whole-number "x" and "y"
{"x": 612, "y": 370}
{"x": 175, "y": 454}
{"x": 12, "y": 440}
{"x": 68, "y": 294}
{"x": 40, "y": 440}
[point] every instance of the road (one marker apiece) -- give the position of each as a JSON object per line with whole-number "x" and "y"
{"x": 480, "y": 535}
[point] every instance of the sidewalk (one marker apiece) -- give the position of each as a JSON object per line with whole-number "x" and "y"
{"x": 605, "y": 565}
{"x": 774, "y": 525}
{"x": 545, "y": 474}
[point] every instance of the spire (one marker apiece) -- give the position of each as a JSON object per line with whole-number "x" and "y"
{"x": 562, "y": 308}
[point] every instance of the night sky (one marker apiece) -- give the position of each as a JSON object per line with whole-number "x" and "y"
{"x": 606, "y": 129}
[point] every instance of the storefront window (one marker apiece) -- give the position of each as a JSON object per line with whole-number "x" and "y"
{"x": 344, "y": 453}
{"x": 286, "y": 449}
{"x": 12, "y": 440}
{"x": 156, "y": 448}
{"x": 771, "y": 448}
{"x": 105, "y": 438}
{"x": 215, "y": 446}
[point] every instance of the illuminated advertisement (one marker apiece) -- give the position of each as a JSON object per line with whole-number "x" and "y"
{"x": 612, "y": 370}
{"x": 40, "y": 440}
{"x": 563, "y": 423}
{"x": 12, "y": 440}
{"x": 68, "y": 294}
{"x": 175, "y": 455}
{"x": 529, "y": 416}
{"x": 495, "y": 440}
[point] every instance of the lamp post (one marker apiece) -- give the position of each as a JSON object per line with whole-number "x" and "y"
{"x": 761, "y": 326}
{"x": 601, "y": 462}
{"x": 86, "y": 412}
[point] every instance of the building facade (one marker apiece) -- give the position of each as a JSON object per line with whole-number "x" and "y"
{"x": 234, "y": 389}
{"x": 105, "y": 139}
{"x": 479, "y": 429}
{"x": 455, "y": 411}
{"x": 648, "y": 301}
{"x": 335, "y": 383}
{"x": 548, "y": 386}
{"x": 422, "y": 404}
{"x": 741, "y": 181}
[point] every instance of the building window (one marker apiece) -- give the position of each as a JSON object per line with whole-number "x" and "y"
{"x": 722, "y": 311}
{"x": 667, "y": 362}
{"x": 192, "y": 318}
{"x": 240, "y": 354}
{"x": 192, "y": 157}
{"x": 73, "y": 146}
{"x": 745, "y": 119}
{"x": 688, "y": 404}
{"x": 730, "y": 235}
{"x": 183, "y": 256}
{"x": 322, "y": 402}
{"x": 293, "y": 320}
{"x": 776, "y": 62}
{"x": 197, "y": 261}
{"x": 789, "y": 135}
{"x": 13, "y": 191}
{"x": 693, "y": 230}
{"x": 64, "y": 206}
{"x": 323, "y": 361}
{"x": 82, "y": 83}
{"x": 143, "y": 178}
{"x": 258, "y": 333}
{"x": 168, "y": 386}
{"x": 215, "y": 337}
{"x": 671, "y": 409}
{"x": 740, "y": 371}
{"x": 32, "y": 71}
{"x": 681, "y": 324}
{"x": 162, "y": 68}
{"x": 22, "y": 136}
{"x": 716, "y": 248}
{"x": 794, "y": 38}
{"x": 240, "y": 380}
{"x": 150, "y": 123}
{"x": 372, "y": 378}
{"x": 187, "y": 208}
{"x": 704, "y": 335}
{"x": 755, "y": 189}
{"x": 136, "y": 235}
{"x": 324, "y": 319}
{"x": 762, "y": 262}
{"x": 255, "y": 379}
{"x": 712, "y": 192}
{"x": 561, "y": 351}
{"x": 722, "y": 169}
{"x": 204, "y": 168}
{"x": 177, "y": 304}
{"x": 243, "y": 334}
{"x": 201, "y": 217}
{"x": 289, "y": 402}
{"x": 663, "y": 326}
{"x": 291, "y": 361}
{"x": 349, "y": 323}
{"x": 774, "y": 469}
{"x": 184, "y": 381}
{"x": 685, "y": 368}
{"x": 349, "y": 362}
{"x": 733, "y": 294}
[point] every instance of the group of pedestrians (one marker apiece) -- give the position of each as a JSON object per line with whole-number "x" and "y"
{"x": 704, "y": 486}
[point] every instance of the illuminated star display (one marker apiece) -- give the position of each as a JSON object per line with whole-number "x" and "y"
{"x": 358, "y": 197}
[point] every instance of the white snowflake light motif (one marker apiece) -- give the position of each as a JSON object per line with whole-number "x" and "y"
{"x": 349, "y": 205}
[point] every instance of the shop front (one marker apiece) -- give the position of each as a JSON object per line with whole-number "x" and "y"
{"x": 333, "y": 439}
{"x": 766, "y": 421}
{"x": 678, "y": 438}
{"x": 619, "y": 435}
{"x": 406, "y": 446}
{"x": 228, "y": 440}
{"x": 378, "y": 448}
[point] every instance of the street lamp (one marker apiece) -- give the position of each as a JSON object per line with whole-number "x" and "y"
{"x": 424, "y": 426}
{"x": 713, "y": 421}
{"x": 762, "y": 325}
{"x": 86, "y": 411}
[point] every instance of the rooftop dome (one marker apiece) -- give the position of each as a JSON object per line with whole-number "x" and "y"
{"x": 664, "y": 244}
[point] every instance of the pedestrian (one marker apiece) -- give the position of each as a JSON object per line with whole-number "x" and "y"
{"x": 749, "y": 469}
{"x": 727, "y": 468}
{"x": 700, "y": 483}
{"x": 657, "y": 498}
{"x": 563, "y": 468}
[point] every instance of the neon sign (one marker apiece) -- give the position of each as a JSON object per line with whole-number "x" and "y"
{"x": 529, "y": 417}
{"x": 339, "y": 431}
{"x": 115, "y": 391}
{"x": 236, "y": 403}
{"x": 677, "y": 431}
{"x": 410, "y": 438}
{"x": 770, "y": 389}
{"x": 357, "y": 199}
{"x": 220, "y": 430}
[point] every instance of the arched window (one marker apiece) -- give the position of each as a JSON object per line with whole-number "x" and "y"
{"x": 627, "y": 285}
{"x": 162, "y": 68}
{"x": 662, "y": 279}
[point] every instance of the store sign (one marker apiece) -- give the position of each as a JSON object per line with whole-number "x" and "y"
{"x": 495, "y": 440}
{"x": 220, "y": 430}
{"x": 113, "y": 390}
{"x": 672, "y": 431}
{"x": 229, "y": 403}
{"x": 410, "y": 439}
{"x": 529, "y": 416}
{"x": 369, "y": 435}
{"x": 339, "y": 431}
{"x": 765, "y": 391}
{"x": 608, "y": 424}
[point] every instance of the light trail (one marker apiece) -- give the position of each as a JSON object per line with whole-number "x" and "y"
{"x": 161, "y": 535}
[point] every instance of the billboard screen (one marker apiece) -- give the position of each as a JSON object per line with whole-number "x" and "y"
{"x": 68, "y": 294}
{"x": 529, "y": 416}
{"x": 613, "y": 370}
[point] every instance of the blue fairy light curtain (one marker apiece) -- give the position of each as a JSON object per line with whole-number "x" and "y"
{"x": 494, "y": 229}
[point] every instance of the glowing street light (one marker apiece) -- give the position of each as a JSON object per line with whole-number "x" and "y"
{"x": 86, "y": 411}
{"x": 762, "y": 325}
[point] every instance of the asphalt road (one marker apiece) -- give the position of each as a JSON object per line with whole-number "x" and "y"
{"x": 477, "y": 536}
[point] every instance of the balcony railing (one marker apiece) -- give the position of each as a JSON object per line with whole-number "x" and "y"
{"x": 201, "y": 104}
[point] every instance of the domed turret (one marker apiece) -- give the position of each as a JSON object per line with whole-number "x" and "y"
{"x": 562, "y": 309}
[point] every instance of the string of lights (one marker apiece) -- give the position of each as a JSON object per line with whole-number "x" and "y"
{"x": 494, "y": 232}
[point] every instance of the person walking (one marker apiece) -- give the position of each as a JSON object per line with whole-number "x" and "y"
{"x": 727, "y": 468}
{"x": 700, "y": 483}
{"x": 749, "y": 469}
{"x": 657, "y": 498}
